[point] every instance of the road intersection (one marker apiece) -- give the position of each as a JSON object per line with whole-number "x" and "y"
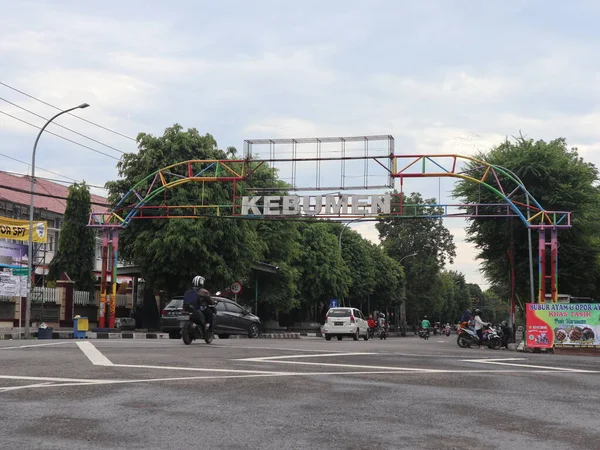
{"x": 304, "y": 380}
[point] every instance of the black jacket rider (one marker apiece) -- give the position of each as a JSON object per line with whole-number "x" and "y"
{"x": 203, "y": 298}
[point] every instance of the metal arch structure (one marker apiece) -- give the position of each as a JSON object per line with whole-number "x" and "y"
{"x": 514, "y": 200}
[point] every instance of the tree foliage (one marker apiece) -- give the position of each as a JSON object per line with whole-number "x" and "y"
{"x": 560, "y": 180}
{"x": 171, "y": 252}
{"x": 77, "y": 242}
{"x": 422, "y": 247}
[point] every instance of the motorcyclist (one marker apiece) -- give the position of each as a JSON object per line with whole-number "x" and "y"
{"x": 199, "y": 297}
{"x": 479, "y": 325}
{"x": 382, "y": 325}
{"x": 425, "y": 324}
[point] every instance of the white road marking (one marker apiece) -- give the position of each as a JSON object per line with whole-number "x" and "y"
{"x": 560, "y": 369}
{"x": 93, "y": 354}
{"x": 282, "y": 349}
{"x": 34, "y": 345}
{"x": 63, "y": 380}
{"x": 271, "y": 358}
{"x": 28, "y": 386}
{"x": 194, "y": 369}
{"x": 87, "y": 382}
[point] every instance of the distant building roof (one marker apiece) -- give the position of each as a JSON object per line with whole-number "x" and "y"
{"x": 20, "y": 194}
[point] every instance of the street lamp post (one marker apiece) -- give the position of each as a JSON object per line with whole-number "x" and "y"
{"x": 31, "y": 208}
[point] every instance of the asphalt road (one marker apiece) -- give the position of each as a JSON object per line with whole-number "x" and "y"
{"x": 293, "y": 394}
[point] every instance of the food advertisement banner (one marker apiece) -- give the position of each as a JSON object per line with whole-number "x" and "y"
{"x": 549, "y": 324}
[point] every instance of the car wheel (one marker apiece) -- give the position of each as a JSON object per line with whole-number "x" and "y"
{"x": 340, "y": 338}
{"x": 366, "y": 336}
{"x": 253, "y": 331}
{"x": 356, "y": 335}
{"x": 223, "y": 336}
{"x": 327, "y": 338}
{"x": 174, "y": 335}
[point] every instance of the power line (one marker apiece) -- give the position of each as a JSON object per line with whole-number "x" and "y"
{"x": 62, "y": 137}
{"x": 40, "y": 168}
{"x": 39, "y": 194}
{"x": 62, "y": 126}
{"x": 71, "y": 114}
{"x": 54, "y": 180}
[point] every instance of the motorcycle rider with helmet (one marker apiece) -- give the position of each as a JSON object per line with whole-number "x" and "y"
{"x": 199, "y": 297}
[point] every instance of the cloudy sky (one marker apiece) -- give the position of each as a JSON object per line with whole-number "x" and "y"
{"x": 440, "y": 76}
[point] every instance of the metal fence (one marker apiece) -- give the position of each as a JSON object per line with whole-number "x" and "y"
{"x": 81, "y": 298}
{"x": 122, "y": 299}
{"x": 45, "y": 295}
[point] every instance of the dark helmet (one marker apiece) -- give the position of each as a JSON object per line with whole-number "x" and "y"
{"x": 504, "y": 323}
{"x": 425, "y": 316}
{"x": 477, "y": 312}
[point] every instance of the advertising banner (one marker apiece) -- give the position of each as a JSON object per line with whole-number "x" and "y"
{"x": 19, "y": 230}
{"x": 12, "y": 254}
{"x": 12, "y": 285}
{"x": 549, "y": 324}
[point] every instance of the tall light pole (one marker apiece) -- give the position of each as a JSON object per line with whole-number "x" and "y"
{"x": 403, "y": 295}
{"x": 31, "y": 208}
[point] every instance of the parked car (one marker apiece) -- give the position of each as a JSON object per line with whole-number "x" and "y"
{"x": 342, "y": 322}
{"x": 231, "y": 318}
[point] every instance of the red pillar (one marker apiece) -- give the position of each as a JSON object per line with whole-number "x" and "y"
{"x": 102, "y": 306}
{"x": 542, "y": 266}
{"x": 554, "y": 264}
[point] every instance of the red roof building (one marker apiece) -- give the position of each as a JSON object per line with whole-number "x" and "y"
{"x": 16, "y": 188}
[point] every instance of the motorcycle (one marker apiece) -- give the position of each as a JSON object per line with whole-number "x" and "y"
{"x": 191, "y": 331}
{"x": 382, "y": 333}
{"x": 467, "y": 337}
{"x": 424, "y": 333}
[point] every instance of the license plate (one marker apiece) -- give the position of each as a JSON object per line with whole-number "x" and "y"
{"x": 338, "y": 324}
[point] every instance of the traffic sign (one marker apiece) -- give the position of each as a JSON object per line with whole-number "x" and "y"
{"x": 236, "y": 287}
{"x": 333, "y": 303}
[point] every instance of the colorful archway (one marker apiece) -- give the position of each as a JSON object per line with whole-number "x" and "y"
{"x": 514, "y": 198}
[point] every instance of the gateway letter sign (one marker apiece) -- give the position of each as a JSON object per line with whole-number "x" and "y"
{"x": 312, "y": 205}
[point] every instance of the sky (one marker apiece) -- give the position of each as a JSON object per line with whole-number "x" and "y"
{"x": 445, "y": 76}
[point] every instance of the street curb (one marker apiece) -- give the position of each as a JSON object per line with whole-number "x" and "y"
{"x": 319, "y": 334}
{"x": 268, "y": 336}
{"x": 91, "y": 335}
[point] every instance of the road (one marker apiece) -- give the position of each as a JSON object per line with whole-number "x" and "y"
{"x": 293, "y": 394}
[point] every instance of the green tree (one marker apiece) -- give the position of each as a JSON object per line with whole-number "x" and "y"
{"x": 423, "y": 247}
{"x": 279, "y": 292}
{"x": 171, "y": 252}
{"x": 358, "y": 258}
{"x": 77, "y": 243}
{"x": 560, "y": 180}
{"x": 389, "y": 279}
{"x": 323, "y": 274}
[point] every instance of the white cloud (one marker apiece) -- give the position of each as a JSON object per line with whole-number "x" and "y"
{"x": 447, "y": 81}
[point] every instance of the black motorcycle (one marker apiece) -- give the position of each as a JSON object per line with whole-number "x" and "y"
{"x": 382, "y": 333}
{"x": 424, "y": 333}
{"x": 466, "y": 338}
{"x": 191, "y": 331}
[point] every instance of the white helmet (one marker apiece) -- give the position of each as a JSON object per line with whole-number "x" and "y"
{"x": 198, "y": 281}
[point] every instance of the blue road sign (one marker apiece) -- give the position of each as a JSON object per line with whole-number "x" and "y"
{"x": 333, "y": 303}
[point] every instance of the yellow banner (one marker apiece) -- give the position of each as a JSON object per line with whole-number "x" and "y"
{"x": 19, "y": 230}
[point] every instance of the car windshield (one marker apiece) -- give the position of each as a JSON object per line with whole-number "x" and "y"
{"x": 175, "y": 303}
{"x": 339, "y": 313}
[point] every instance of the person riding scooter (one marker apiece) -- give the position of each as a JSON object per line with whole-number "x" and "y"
{"x": 201, "y": 302}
